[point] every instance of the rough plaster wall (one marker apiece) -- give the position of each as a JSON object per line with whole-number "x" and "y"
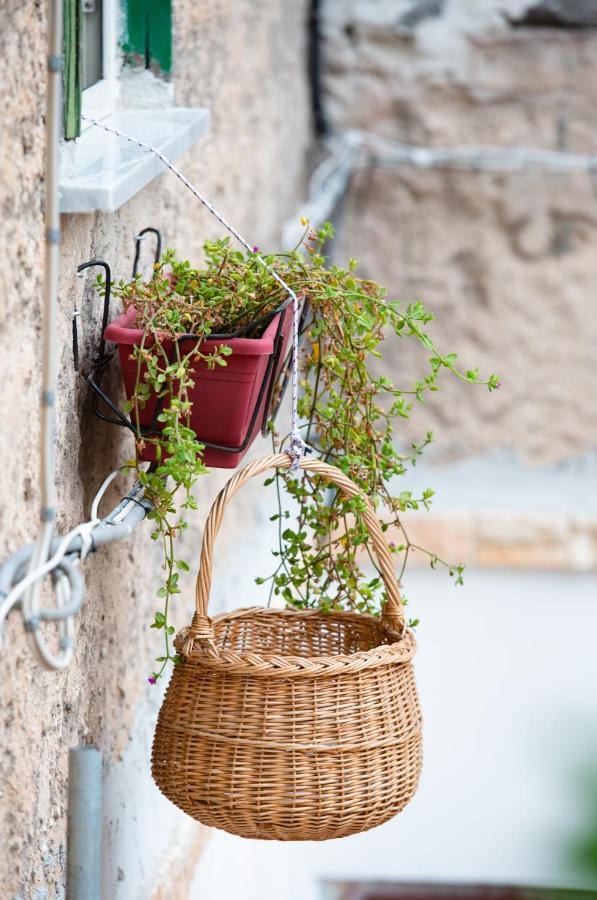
{"x": 506, "y": 261}
{"x": 229, "y": 57}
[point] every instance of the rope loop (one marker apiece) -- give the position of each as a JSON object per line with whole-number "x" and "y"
{"x": 297, "y": 449}
{"x": 21, "y": 586}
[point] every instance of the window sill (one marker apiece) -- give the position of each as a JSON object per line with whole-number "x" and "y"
{"x": 100, "y": 171}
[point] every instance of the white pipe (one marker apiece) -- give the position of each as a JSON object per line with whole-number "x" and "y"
{"x": 351, "y": 151}
{"x": 84, "y": 834}
{"x": 50, "y": 296}
{"x": 52, "y": 267}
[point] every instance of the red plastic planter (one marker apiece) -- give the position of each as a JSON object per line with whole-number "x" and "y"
{"x": 229, "y": 402}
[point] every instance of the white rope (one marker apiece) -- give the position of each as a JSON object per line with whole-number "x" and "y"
{"x": 28, "y": 588}
{"x": 297, "y": 447}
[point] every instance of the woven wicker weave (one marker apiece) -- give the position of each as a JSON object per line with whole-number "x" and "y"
{"x": 290, "y": 724}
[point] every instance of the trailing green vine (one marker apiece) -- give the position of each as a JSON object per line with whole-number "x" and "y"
{"x": 348, "y": 413}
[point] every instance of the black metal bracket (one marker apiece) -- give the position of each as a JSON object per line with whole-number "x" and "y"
{"x": 94, "y": 377}
{"x": 268, "y": 382}
{"x": 139, "y": 240}
{"x": 273, "y": 403}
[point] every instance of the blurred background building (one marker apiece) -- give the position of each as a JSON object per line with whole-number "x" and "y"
{"x": 507, "y": 260}
{"x": 507, "y": 664}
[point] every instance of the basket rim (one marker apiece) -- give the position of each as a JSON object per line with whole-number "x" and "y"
{"x": 398, "y": 650}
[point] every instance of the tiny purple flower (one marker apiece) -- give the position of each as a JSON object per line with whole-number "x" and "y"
{"x": 152, "y": 679}
{"x": 255, "y": 249}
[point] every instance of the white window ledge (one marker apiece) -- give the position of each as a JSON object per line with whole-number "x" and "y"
{"x": 100, "y": 171}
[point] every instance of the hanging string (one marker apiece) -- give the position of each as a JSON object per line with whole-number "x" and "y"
{"x": 297, "y": 447}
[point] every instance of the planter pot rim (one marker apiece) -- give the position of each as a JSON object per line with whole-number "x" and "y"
{"x": 122, "y": 331}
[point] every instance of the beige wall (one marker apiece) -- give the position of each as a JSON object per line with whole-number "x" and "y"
{"x": 507, "y": 261}
{"x": 245, "y": 62}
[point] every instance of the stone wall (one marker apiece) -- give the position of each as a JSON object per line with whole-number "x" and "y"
{"x": 229, "y": 57}
{"x": 506, "y": 261}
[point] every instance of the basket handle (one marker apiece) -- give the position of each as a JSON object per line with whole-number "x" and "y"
{"x": 201, "y": 629}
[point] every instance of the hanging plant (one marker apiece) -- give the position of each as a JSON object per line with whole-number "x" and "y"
{"x": 348, "y": 411}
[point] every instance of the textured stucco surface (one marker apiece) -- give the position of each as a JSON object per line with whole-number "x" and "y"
{"x": 229, "y": 57}
{"x": 507, "y": 261}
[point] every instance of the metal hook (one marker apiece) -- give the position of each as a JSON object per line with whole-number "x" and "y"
{"x": 158, "y": 247}
{"x": 95, "y": 378}
{"x": 106, "y": 312}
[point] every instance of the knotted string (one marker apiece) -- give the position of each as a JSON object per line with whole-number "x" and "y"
{"x": 297, "y": 447}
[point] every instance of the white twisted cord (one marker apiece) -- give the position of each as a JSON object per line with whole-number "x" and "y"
{"x": 28, "y": 588}
{"x": 297, "y": 447}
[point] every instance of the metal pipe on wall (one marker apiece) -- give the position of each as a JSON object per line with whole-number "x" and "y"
{"x": 84, "y": 834}
{"x": 50, "y": 297}
{"x": 85, "y": 763}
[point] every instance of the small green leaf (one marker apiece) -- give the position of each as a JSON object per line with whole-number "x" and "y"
{"x": 159, "y": 620}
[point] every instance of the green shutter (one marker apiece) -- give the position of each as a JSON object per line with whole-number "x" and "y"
{"x": 147, "y": 42}
{"x": 148, "y": 38}
{"x": 72, "y": 69}
{"x": 160, "y": 34}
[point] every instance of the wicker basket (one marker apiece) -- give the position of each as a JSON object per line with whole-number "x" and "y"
{"x": 290, "y": 724}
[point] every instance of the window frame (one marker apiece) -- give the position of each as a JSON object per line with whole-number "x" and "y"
{"x": 101, "y": 98}
{"x": 135, "y": 33}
